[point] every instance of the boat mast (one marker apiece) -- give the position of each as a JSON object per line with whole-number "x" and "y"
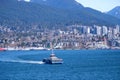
{"x": 52, "y": 48}
{"x": 52, "y": 51}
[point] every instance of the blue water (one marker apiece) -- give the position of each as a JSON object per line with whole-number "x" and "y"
{"x": 78, "y": 65}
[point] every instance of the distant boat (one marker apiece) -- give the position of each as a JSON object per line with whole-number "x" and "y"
{"x": 2, "y": 49}
{"x": 53, "y": 59}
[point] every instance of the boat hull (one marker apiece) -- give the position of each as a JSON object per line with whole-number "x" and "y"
{"x": 49, "y": 61}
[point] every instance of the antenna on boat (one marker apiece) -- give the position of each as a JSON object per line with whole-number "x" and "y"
{"x": 52, "y": 48}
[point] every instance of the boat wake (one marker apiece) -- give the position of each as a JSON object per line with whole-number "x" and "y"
{"x": 24, "y": 61}
{"x": 14, "y": 58}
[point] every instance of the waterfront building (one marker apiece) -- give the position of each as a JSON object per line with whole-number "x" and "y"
{"x": 99, "y": 30}
{"x": 88, "y": 30}
{"x": 117, "y": 28}
{"x": 104, "y": 30}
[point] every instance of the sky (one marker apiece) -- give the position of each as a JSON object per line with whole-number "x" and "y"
{"x": 101, "y": 5}
{"x": 27, "y": 0}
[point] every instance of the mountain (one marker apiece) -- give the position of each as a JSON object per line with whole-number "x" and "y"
{"x": 25, "y": 14}
{"x": 20, "y": 13}
{"x": 115, "y": 12}
{"x": 61, "y": 4}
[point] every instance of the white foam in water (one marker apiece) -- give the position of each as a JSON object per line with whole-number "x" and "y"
{"x": 25, "y": 61}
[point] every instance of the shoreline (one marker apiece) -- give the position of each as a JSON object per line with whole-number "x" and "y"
{"x": 41, "y": 48}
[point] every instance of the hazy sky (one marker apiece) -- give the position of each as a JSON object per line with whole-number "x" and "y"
{"x": 101, "y": 5}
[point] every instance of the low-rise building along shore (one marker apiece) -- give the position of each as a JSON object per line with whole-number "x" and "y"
{"x": 72, "y": 37}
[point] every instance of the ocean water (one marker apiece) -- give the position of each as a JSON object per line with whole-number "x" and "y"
{"x": 78, "y": 65}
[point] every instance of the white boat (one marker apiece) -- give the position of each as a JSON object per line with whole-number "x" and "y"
{"x": 53, "y": 60}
